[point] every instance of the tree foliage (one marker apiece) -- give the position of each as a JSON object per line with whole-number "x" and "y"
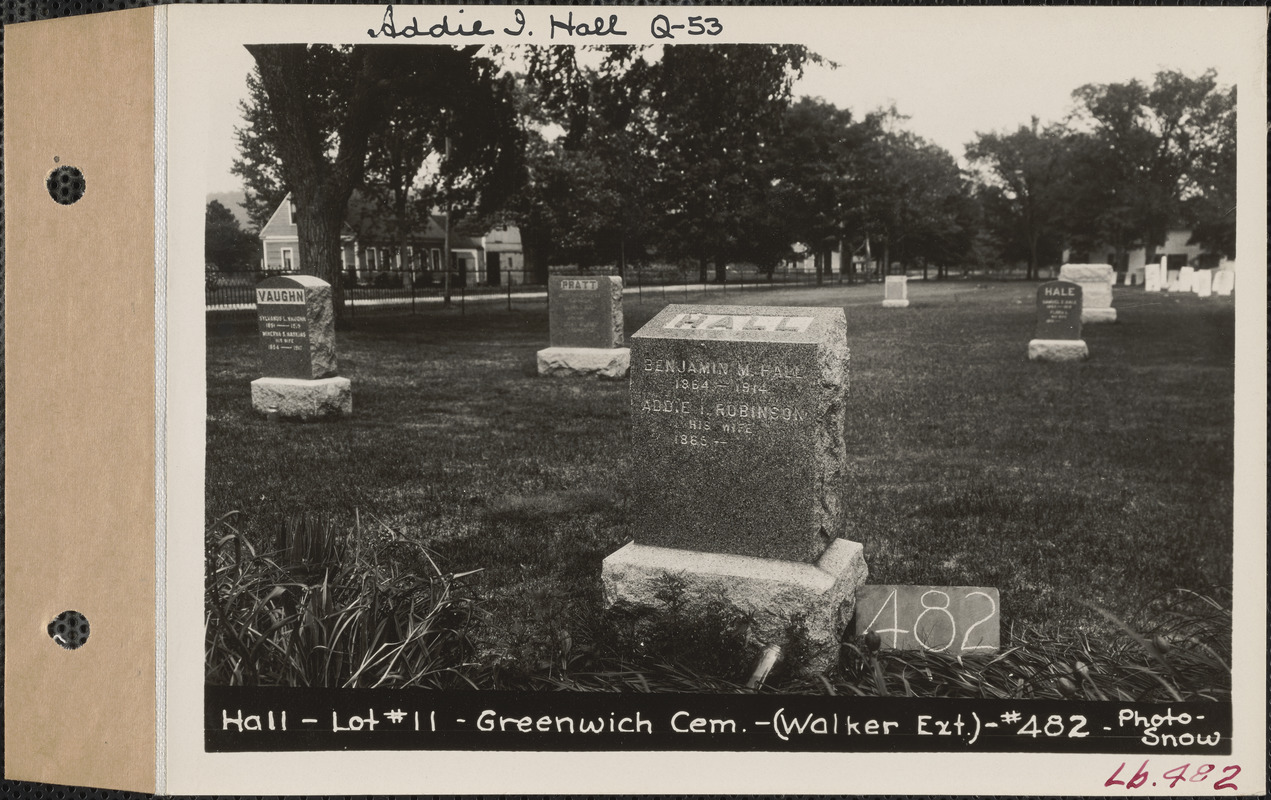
{"x": 226, "y": 245}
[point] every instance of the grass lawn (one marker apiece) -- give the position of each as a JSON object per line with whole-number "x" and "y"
{"x": 1106, "y": 483}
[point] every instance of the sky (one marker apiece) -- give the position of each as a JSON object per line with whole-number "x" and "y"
{"x": 952, "y": 73}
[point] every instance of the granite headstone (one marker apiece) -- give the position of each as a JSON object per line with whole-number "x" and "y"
{"x": 737, "y": 435}
{"x": 1057, "y": 336}
{"x": 585, "y": 311}
{"x": 296, "y": 319}
{"x": 1058, "y": 310}
{"x": 297, "y": 327}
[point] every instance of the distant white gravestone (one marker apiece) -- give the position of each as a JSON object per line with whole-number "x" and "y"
{"x": 1224, "y": 282}
{"x": 1096, "y": 290}
{"x": 896, "y": 291}
{"x": 1152, "y": 277}
{"x": 1202, "y": 282}
{"x": 1186, "y": 275}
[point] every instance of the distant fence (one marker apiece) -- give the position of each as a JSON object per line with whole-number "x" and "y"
{"x": 229, "y": 291}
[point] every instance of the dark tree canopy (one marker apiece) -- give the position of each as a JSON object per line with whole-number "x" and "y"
{"x": 226, "y": 245}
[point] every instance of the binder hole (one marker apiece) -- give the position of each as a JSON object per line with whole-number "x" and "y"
{"x": 65, "y": 184}
{"x": 69, "y": 629}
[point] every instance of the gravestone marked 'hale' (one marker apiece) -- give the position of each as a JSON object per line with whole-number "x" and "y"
{"x": 896, "y": 291}
{"x": 1059, "y": 315}
{"x": 1096, "y": 290}
{"x": 738, "y": 465}
{"x": 585, "y": 325}
{"x": 297, "y": 340}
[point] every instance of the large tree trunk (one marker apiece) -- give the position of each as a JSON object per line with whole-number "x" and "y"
{"x": 318, "y": 226}
{"x": 721, "y": 269}
{"x": 320, "y": 187}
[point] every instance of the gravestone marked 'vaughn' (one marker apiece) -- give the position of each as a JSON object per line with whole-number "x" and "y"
{"x": 1224, "y": 282}
{"x": 1203, "y": 282}
{"x": 297, "y": 340}
{"x": 1096, "y": 290}
{"x": 1171, "y": 280}
{"x": 1059, "y": 315}
{"x": 585, "y": 324}
{"x": 896, "y": 291}
{"x": 738, "y": 462}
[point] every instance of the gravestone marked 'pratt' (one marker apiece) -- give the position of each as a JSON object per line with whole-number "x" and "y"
{"x": 585, "y": 324}
{"x": 1202, "y": 282}
{"x": 297, "y": 340}
{"x": 896, "y": 291}
{"x": 1096, "y": 290}
{"x": 1224, "y": 282}
{"x": 738, "y": 462}
{"x": 1171, "y": 280}
{"x": 1059, "y": 315}
{"x": 1152, "y": 277}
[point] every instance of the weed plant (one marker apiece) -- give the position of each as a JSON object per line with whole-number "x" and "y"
{"x": 331, "y": 608}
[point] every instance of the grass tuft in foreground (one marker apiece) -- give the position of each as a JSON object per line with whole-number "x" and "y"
{"x": 359, "y": 608}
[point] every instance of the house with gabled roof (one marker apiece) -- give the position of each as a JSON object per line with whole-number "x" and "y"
{"x": 371, "y": 244}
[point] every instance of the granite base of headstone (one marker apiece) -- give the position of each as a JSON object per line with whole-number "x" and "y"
{"x": 739, "y": 455}
{"x": 1057, "y": 336}
{"x": 1096, "y": 288}
{"x": 293, "y": 398}
{"x": 1224, "y": 282}
{"x": 896, "y": 291}
{"x": 585, "y": 321}
{"x": 297, "y": 337}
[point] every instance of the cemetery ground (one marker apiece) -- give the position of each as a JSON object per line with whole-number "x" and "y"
{"x": 450, "y": 532}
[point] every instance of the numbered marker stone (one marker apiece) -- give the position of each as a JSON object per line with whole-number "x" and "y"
{"x": 1096, "y": 290}
{"x": 586, "y": 327}
{"x": 737, "y": 468}
{"x": 896, "y": 291}
{"x": 297, "y": 339}
{"x": 955, "y": 620}
{"x": 1058, "y": 333}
